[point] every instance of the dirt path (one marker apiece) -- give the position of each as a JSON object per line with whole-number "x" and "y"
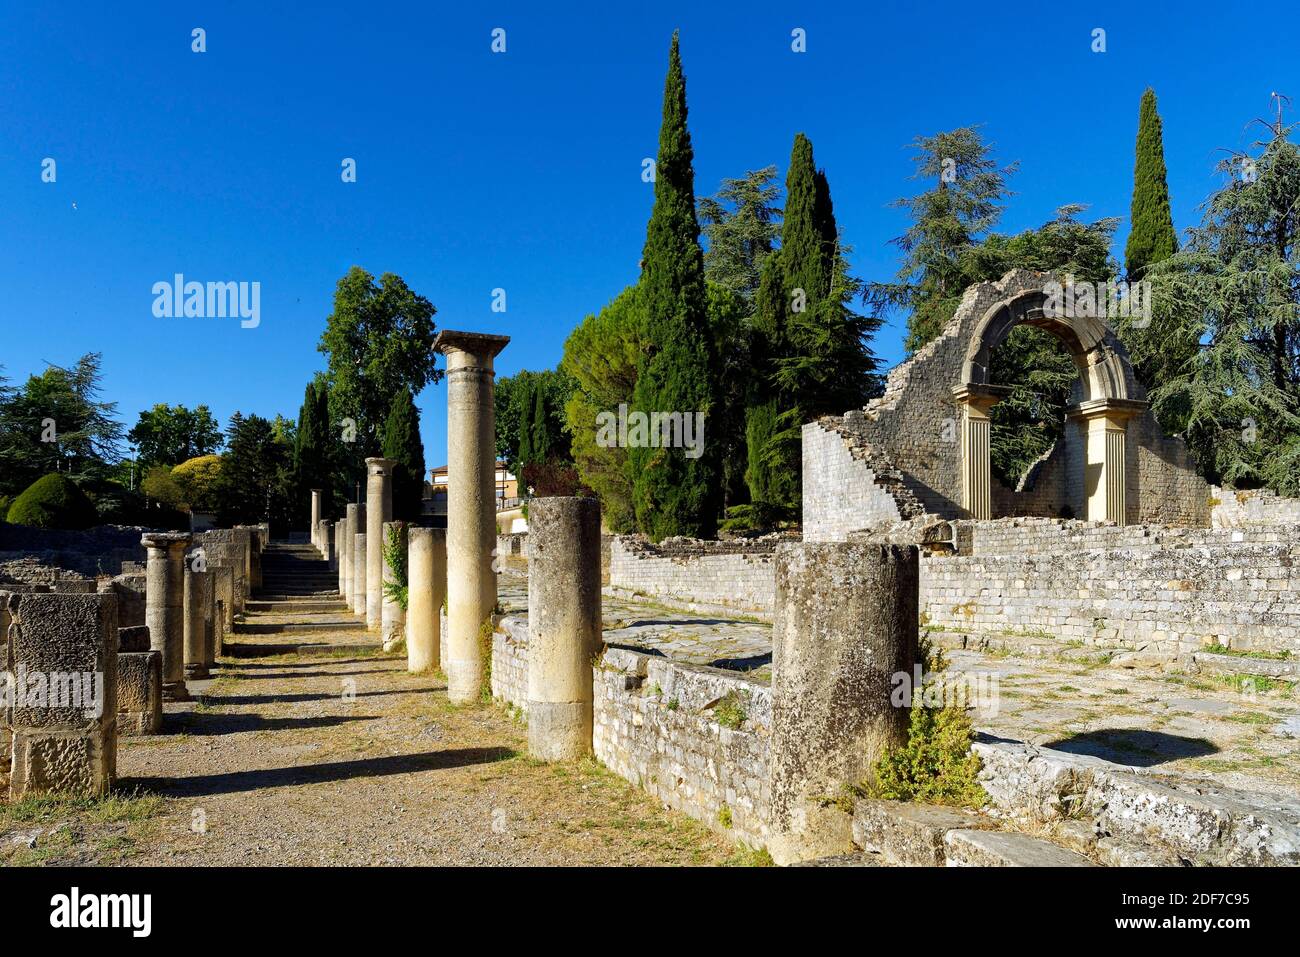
{"x": 277, "y": 765}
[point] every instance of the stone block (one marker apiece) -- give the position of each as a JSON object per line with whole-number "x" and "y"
{"x": 139, "y": 692}
{"x": 905, "y": 833}
{"x": 1007, "y": 849}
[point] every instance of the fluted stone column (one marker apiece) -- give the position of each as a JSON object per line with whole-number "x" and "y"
{"x": 975, "y": 402}
{"x": 164, "y": 610}
{"x": 316, "y": 495}
{"x": 845, "y": 625}
{"x": 1105, "y": 425}
{"x": 563, "y": 624}
{"x": 392, "y": 614}
{"x": 379, "y": 509}
{"x": 196, "y": 624}
{"x": 359, "y": 553}
{"x": 471, "y": 503}
{"x": 426, "y": 575}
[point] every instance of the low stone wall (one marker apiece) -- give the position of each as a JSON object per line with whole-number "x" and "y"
{"x": 1233, "y": 508}
{"x": 654, "y": 726}
{"x": 703, "y": 576}
{"x": 92, "y": 552}
{"x": 1165, "y": 590}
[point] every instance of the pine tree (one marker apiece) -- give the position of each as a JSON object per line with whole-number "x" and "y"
{"x": 672, "y": 493}
{"x": 1152, "y": 237}
{"x": 401, "y": 442}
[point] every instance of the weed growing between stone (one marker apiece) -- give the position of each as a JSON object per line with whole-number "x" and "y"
{"x": 936, "y": 765}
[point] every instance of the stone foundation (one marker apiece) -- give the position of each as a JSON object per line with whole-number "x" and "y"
{"x": 732, "y": 577}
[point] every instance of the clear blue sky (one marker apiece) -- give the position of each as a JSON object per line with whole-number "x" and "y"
{"x": 522, "y": 170}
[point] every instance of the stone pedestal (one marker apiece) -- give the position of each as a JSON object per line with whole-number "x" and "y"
{"x": 224, "y": 592}
{"x": 845, "y": 625}
{"x": 139, "y": 683}
{"x": 196, "y": 624}
{"x": 62, "y": 652}
{"x": 379, "y": 509}
{"x": 564, "y": 626}
{"x": 471, "y": 503}
{"x": 359, "y": 553}
{"x": 164, "y": 611}
{"x": 392, "y": 614}
{"x": 427, "y": 587}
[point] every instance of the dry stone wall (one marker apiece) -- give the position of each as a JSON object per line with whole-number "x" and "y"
{"x": 1238, "y": 508}
{"x": 696, "y": 575}
{"x": 1137, "y": 587}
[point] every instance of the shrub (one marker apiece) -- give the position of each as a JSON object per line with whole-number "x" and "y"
{"x": 198, "y": 480}
{"x": 53, "y": 501}
{"x": 936, "y": 765}
{"x": 395, "y": 558}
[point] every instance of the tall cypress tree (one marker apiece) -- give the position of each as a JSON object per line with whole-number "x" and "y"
{"x": 543, "y": 445}
{"x": 672, "y": 493}
{"x": 524, "y": 454}
{"x": 1152, "y": 237}
{"x": 401, "y": 442}
{"x": 311, "y": 451}
{"x": 811, "y": 349}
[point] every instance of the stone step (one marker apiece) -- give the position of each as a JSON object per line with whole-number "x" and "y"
{"x": 292, "y": 607}
{"x": 1007, "y": 849}
{"x": 237, "y": 650}
{"x": 909, "y": 834}
{"x": 304, "y": 624}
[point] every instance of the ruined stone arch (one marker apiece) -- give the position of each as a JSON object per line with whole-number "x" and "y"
{"x": 1106, "y": 395}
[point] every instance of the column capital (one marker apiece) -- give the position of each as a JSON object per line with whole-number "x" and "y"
{"x": 165, "y": 540}
{"x": 1116, "y": 412}
{"x": 980, "y": 397}
{"x": 480, "y": 344}
{"x": 380, "y": 466}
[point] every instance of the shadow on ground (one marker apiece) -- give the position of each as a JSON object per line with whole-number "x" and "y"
{"x": 1133, "y": 746}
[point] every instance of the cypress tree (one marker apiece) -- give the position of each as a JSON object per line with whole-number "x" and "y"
{"x": 524, "y": 454}
{"x": 1152, "y": 237}
{"x": 311, "y": 451}
{"x": 540, "y": 426}
{"x": 401, "y": 442}
{"x": 672, "y": 493}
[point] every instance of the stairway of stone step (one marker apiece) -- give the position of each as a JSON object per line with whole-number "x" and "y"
{"x": 298, "y": 608}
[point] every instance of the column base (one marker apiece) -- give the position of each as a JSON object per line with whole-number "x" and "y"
{"x": 197, "y": 673}
{"x": 176, "y": 691}
{"x": 559, "y": 730}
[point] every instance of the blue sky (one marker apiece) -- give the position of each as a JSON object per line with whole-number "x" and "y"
{"x": 522, "y": 170}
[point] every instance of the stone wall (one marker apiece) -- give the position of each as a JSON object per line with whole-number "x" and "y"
{"x": 654, "y": 726}
{"x": 1138, "y": 587}
{"x": 92, "y": 552}
{"x": 732, "y": 577}
{"x": 1233, "y": 508}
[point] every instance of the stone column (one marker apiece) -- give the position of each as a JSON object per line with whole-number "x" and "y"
{"x": 359, "y": 574}
{"x": 164, "y": 610}
{"x": 845, "y": 626}
{"x": 564, "y": 624}
{"x": 392, "y": 614}
{"x": 208, "y": 596}
{"x": 196, "y": 625}
{"x": 1105, "y": 425}
{"x": 975, "y": 402}
{"x": 346, "y": 548}
{"x": 471, "y": 503}
{"x": 316, "y": 495}
{"x": 225, "y": 592}
{"x": 379, "y": 509}
{"x": 329, "y": 532}
{"x": 426, "y": 574}
{"x": 218, "y": 629}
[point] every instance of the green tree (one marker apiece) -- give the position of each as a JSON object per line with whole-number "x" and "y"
{"x": 379, "y": 341}
{"x": 1151, "y": 238}
{"x": 740, "y": 224}
{"x": 402, "y": 443}
{"x": 171, "y": 434}
{"x": 672, "y": 493}
{"x": 257, "y": 473}
{"x": 56, "y": 423}
{"x": 313, "y": 466}
{"x": 198, "y": 480}
{"x": 53, "y": 501}
{"x": 811, "y": 353}
{"x": 956, "y": 213}
{"x": 600, "y": 358}
{"x": 1222, "y": 349}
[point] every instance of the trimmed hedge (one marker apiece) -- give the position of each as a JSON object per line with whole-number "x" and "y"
{"x": 53, "y": 501}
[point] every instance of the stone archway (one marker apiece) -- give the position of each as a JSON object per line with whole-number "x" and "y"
{"x": 1103, "y": 402}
